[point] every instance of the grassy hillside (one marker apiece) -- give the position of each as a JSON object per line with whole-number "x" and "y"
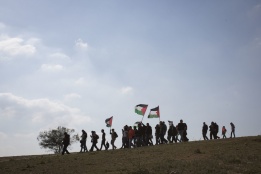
{"x": 239, "y": 155}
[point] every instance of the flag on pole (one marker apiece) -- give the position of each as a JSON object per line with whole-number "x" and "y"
{"x": 170, "y": 122}
{"x": 154, "y": 113}
{"x": 108, "y": 121}
{"x": 141, "y": 109}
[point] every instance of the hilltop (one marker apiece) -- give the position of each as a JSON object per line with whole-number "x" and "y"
{"x": 238, "y": 155}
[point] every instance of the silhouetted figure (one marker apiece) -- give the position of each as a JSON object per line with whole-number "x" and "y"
{"x": 172, "y": 132}
{"x": 181, "y": 129}
{"x": 185, "y": 138}
{"x": 83, "y": 141}
{"x": 204, "y": 131}
{"x": 138, "y": 135}
{"x": 163, "y": 130}
{"x": 211, "y": 130}
{"x": 224, "y": 131}
{"x": 148, "y": 135}
{"x": 113, "y": 138}
{"x": 124, "y": 136}
{"x": 232, "y": 130}
{"x": 135, "y": 136}
{"x": 66, "y": 142}
{"x": 94, "y": 141}
{"x": 103, "y": 140}
{"x": 131, "y": 135}
{"x": 216, "y": 131}
{"x": 157, "y": 134}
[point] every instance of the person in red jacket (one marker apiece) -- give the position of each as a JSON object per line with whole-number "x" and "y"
{"x": 131, "y": 134}
{"x": 224, "y": 131}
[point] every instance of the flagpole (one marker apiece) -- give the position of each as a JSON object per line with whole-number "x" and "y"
{"x": 142, "y": 118}
{"x": 111, "y": 123}
{"x": 159, "y": 116}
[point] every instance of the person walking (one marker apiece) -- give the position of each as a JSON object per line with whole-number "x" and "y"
{"x": 181, "y": 128}
{"x": 204, "y": 131}
{"x": 131, "y": 135}
{"x": 232, "y": 130}
{"x": 171, "y": 135}
{"x": 83, "y": 141}
{"x": 114, "y": 135}
{"x": 66, "y": 142}
{"x": 94, "y": 141}
{"x": 125, "y": 137}
{"x": 216, "y": 131}
{"x": 157, "y": 134}
{"x": 103, "y": 140}
{"x": 211, "y": 130}
{"x": 224, "y": 131}
{"x": 148, "y": 135}
{"x": 163, "y": 130}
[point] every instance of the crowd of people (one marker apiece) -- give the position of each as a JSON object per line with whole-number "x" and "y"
{"x": 141, "y": 135}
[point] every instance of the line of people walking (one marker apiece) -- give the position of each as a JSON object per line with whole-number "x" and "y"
{"x": 141, "y": 135}
{"x": 214, "y": 129}
{"x": 137, "y": 136}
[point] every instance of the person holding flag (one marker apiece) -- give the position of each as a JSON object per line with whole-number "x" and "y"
{"x": 113, "y": 138}
{"x": 114, "y": 135}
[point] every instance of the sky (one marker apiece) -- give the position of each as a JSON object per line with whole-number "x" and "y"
{"x": 75, "y": 64}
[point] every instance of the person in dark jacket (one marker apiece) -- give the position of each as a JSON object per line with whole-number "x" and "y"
{"x": 204, "y": 131}
{"x": 83, "y": 141}
{"x": 66, "y": 142}
{"x": 103, "y": 140}
{"x": 157, "y": 134}
{"x": 95, "y": 138}
{"x": 232, "y": 130}
{"x": 148, "y": 135}
{"x": 138, "y": 135}
{"x": 211, "y": 130}
{"x": 216, "y": 131}
{"x": 114, "y": 135}
{"x": 185, "y": 138}
{"x": 170, "y": 134}
{"x": 163, "y": 130}
{"x": 181, "y": 129}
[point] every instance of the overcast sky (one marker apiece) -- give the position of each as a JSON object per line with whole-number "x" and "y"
{"x": 74, "y": 64}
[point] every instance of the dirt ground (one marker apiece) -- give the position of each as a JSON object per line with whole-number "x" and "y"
{"x": 238, "y": 155}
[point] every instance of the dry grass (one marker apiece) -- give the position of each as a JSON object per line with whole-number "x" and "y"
{"x": 239, "y": 155}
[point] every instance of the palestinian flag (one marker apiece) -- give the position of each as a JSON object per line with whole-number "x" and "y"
{"x": 108, "y": 121}
{"x": 141, "y": 109}
{"x": 154, "y": 113}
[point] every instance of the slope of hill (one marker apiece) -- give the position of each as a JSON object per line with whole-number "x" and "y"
{"x": 239, "y": 155}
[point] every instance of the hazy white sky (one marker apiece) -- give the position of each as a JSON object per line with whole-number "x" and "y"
{"x": 74, "y": 64}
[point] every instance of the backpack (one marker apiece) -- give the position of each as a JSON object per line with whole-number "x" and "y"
{"x": 116, "y": 135}
{"x": 107, "y": 145}
{"x": 97, "y": 136}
